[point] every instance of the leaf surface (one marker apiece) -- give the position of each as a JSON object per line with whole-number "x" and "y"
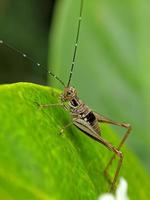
{"x": 38, "y": 163}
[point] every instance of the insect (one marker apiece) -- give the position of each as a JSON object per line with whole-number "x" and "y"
{"x": 82, "y": 116}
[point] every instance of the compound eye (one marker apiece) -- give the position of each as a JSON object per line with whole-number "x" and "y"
{"x": 68, "y": 93}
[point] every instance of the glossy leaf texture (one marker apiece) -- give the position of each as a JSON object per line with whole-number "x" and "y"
{"x": 36, "y": 162}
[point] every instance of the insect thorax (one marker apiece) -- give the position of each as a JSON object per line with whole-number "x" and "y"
{"x": 78, "y": 108}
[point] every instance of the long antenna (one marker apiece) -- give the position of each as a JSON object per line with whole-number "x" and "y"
{"x": 31, "y": 60}
{"x": 76, "y": 43}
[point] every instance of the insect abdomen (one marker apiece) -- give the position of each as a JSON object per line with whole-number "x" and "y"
{"x": 91, "y": 119}
{"x": 85, "y": 114}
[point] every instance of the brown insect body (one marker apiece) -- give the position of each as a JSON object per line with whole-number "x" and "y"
{"x": 79, "y": 111}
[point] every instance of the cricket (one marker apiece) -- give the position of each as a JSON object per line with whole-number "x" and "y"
{"x": 84, "y": 118}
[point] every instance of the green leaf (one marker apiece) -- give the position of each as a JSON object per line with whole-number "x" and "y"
{"x": 36, "y": 162}
{"x": 112, "y": 64}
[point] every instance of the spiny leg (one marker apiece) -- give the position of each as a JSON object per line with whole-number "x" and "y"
{"x": 74, "y": 118}
{"x": 41, "y": 106}
{"x": 117, "y": 153}
{"x": 112, "y": 188}
{"x": 56, "y": 104}
{"x": 127, "y": 126}
{"x": 66, "y": 126}
{"x": 119, "y": 147}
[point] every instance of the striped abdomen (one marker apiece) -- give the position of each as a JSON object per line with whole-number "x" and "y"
{"x": 79, "y": 109}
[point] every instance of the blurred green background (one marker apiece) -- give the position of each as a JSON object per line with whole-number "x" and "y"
{"x": 24, "y": 25}
{"x": 112, "y": 65}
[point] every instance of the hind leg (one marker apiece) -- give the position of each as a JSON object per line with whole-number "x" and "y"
{"x": 103, "y": 119}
